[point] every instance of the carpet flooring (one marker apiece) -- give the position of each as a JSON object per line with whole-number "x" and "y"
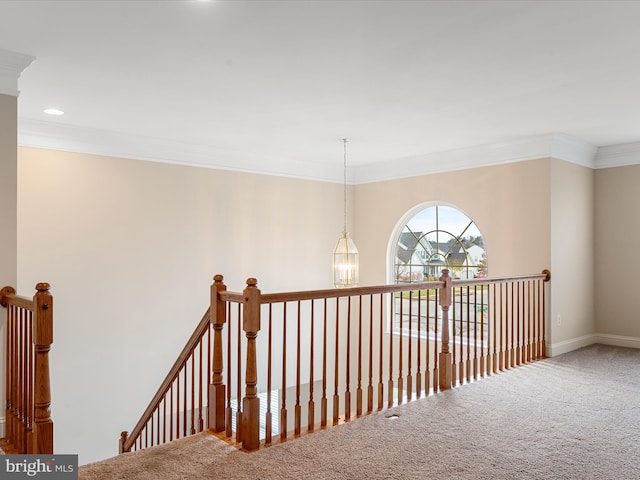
{"x": 575, "y": 416}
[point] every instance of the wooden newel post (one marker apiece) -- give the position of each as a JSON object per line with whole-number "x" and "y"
{"x": 445, "y": 355}
{"x": 123, "y": 440}
{"x": 217, "y": 388}
{"x": 251, "y": 402}
{"x": 42, "y": 339}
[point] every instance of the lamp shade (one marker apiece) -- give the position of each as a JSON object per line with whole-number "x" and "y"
{"x": 346, "y": 272}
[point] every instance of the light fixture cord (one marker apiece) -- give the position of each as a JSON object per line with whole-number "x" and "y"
{"x": 344, "y": 141}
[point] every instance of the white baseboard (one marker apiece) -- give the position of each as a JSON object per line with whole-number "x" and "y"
{"x": 566, "y": 346}
{"x": 2, "y": 421}
{"x": 586, "y": 340}
{"x": 618, "y": 340}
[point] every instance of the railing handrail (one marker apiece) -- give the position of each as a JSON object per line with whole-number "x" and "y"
{"x": 266, "y": 298}
{"x": 8, "y": 297}
{"x": 127, "y": 440}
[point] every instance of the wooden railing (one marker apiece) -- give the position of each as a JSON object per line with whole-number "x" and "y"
{"x": 177, "y": 409}
{"x": 279, "y": 365}
{"x": 29, "y": 335}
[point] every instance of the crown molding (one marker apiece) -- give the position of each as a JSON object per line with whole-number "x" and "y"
{"x": 559, "y": 146}
{"x": 12, "y": 64}
{"x": 618, "y": 155}
{"x": 71, "y": 138}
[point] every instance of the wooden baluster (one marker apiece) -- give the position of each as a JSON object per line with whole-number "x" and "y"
{"x": 370, "y": 385}
{"x": 323, "y": 400}
{"x": 453, "y": 334}
{"x": 380, "y": 353}
{"x": 22, "y": 368}
{"x": 193, "y": 393}
{"x": 43, "y": 338}
{"x": 298, "y": 407}
{"x": 217, "y": 388}
{"x": 347, "y": 393}
{"x": 520, "y": 324}
{"x": 436, "y": 370}
{"x": 239, "y": 426}
{"x": 359, "y": 387}
{"x": 29, "y": 391}
{"x": 390, "y": 383}
{"x": 510, "y": 326}
{"x": 445, "y": 377}
{"x": 419, "y": 353}
{"x": 228, "y": 413}
{"x": 175, "y": 407}
{"x": 283, "y": 407}
{"x": 400, "y": 344}
{"x": 534, "y": 306}
{"x": 457, "y": 375}
{"x": 311, "y": 417}
{"x": 177, "y": 410}
{"x": 251, "y": 402}
{"x": 468, "y": 359}
{"x": 185, "y": 401}
{"x": 164, "y": 417}
{"x": 502, "y": 342}
{"x": 155, "y": 427}
{"x": 171, "y": 412}
{"x": 336, "y": 397}
{"x": 409, "y": 350}
{"x": 482, "y": 365}
{"x": 269, "y": 416}
{"x": 526, "y": 321}
{"x": 536, "y": 320}
{"x": 461, "y": 330}
{"x": 201, "y": 383}
{"x": 10, "y": 432}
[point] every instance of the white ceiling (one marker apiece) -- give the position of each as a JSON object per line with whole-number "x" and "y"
{"x": 273, "y": 85}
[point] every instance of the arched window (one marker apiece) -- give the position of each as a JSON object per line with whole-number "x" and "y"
{"x": 435, "y": 237}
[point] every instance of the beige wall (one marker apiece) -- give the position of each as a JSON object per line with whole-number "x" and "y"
{"x": 8, "y": 193}
{"x": 130, "y": 249}
{"x": 572, "y": 285}
{"x": 509, "y": 204}
{"x": 617, "y": 261}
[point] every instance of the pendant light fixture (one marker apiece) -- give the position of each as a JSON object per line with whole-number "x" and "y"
{"x": 345, "y": 255}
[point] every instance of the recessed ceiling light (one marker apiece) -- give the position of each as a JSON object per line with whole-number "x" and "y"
{"x": 53, "y": 111}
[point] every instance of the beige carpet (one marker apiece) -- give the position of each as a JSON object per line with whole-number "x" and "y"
{"x": 576, "y": 416}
